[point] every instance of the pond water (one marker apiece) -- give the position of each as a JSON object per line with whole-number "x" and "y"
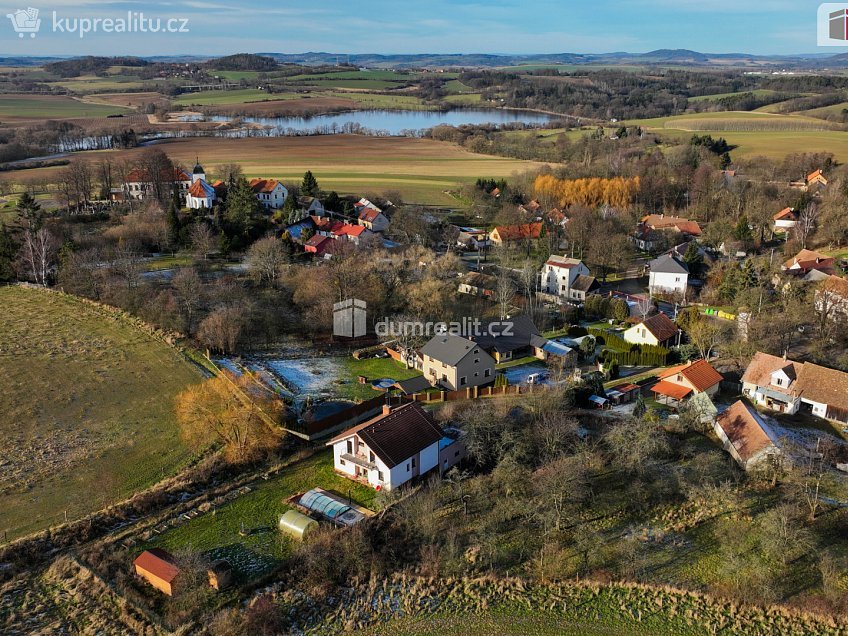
{"x": 390, "y": 122}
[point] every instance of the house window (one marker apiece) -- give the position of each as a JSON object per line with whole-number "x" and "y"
{"x": 350, "y": 447}
{"x": 476, "y": 351}
{"x": 342, "y": 462}
{"x": 487, "y": 373}
{"x": 476, "y": 374}
{"x": 371, "y": 456}
{"x": 476, "y": 360}
{"x": 407, "y": 467}
{"x": 778, "y": 381}
{"x": 413, "y": 462}
{"x": 379, "y": 475}
{"x": 463, "y": 381}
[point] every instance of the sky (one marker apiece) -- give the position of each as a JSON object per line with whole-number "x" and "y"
{"x": 220, "y": 27}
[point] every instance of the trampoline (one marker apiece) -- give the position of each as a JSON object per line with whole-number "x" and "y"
{"x": 383, "y": 384}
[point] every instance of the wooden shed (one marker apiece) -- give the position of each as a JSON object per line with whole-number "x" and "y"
{"x": 157, "y": 567}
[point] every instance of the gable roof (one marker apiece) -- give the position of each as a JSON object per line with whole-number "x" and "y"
{"x": 809, "y": 259}
{"x": 746, "y": 430}
{"x": 158, "y": 563}
{"x": 395, "y": 437}
{"x": 699, "y": 373}
{"x": 563, "y": 262}
{"x": 668, "y": 264}
{"x": 347, "y": 229}
{"x": 762, "y": 365}
{"x": 836, "y": 285}
{"x": 823, "y": 385}
{"x": 660, "y": 326}
{"x": 264, "y": 185}
{"x": 584, "y": 283}
{"x": 516, "y": 232}
{"x": 815, "y": 175}
{"x": 448, "y": 348}
{"x": 786, "y": 213}
{"x": 663, "y": 222}
{"x": 523, "y": 334}
{"x": 369, "y": 214}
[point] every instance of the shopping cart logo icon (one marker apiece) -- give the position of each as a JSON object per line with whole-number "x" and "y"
{"x": 25, "y": 21}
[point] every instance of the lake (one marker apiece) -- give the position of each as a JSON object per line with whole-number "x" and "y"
{"x": 391, "y": 122}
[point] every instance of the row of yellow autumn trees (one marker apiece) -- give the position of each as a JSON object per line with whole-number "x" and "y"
{"x": 617, "y": 192}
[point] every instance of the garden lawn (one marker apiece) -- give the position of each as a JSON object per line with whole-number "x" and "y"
{"x": 217, "y": 534}
{"x": 373, "y": 369}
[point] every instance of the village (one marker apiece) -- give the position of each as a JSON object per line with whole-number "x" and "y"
{"x": 619, "y": 346}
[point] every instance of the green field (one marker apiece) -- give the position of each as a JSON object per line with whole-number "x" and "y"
{"x": 87, "y": 409}
{"x": 257, "y": 514}
{"x": 222, "y": 97}
{"x": 53, "y": 106}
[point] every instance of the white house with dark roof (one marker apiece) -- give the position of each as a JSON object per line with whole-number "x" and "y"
{"x": 455, "y": 362}
{"x": 668, "y": 275}
{"x": 399, "y": 445}
{"x": 567, "y": 278}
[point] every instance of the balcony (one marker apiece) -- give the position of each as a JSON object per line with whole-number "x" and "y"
{"x": 359, "y": 460}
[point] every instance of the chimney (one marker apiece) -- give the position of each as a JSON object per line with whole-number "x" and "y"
{"x": 387, "y": 408}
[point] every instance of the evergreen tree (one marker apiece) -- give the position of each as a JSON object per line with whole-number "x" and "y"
{"x": 7, "y": 255}
{"x": 29, "y": 210}
{"x": 309, "y": 187}
{"x": 172, "y": 219}
{"x": 244, "y": 219}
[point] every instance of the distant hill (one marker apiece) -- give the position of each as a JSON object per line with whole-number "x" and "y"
{"x": 675, "y": 55}
{"x": 90, "y": 65}
{"x": 243, "y": 62}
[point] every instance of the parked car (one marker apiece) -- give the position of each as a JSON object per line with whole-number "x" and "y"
{"x": 538, "y": 378}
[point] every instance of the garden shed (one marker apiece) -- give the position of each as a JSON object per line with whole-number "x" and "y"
{"x": 297, "y": 525}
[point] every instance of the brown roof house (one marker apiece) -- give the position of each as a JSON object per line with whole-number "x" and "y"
{"x": 807, "y": 260}
{"x": 658, "y": 330}
{"x": 509, "y": 233}
{"x": 399, "y": 445}
{"x": 686, "y": 380}
{"x": 745, "y": 435}
{"x": 157, "y": 567}
{"x": 788, "y": 386}
{"x": 785, "y": 220}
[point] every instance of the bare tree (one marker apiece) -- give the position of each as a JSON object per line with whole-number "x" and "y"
{"x": 37, "y": 256}
{"x": 189, "y": 291}
{"x": 504, "y": 292}
{"x": 807, "y": 222}
{"x": 266, "y": 258}
{"x": 203, "y": 239}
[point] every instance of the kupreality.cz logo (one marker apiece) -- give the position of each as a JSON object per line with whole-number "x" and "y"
{"x": 28, "y": 22}
{"x": 832, "y": 24}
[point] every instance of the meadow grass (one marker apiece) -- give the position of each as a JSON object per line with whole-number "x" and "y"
{"x": 87, "y": 409}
